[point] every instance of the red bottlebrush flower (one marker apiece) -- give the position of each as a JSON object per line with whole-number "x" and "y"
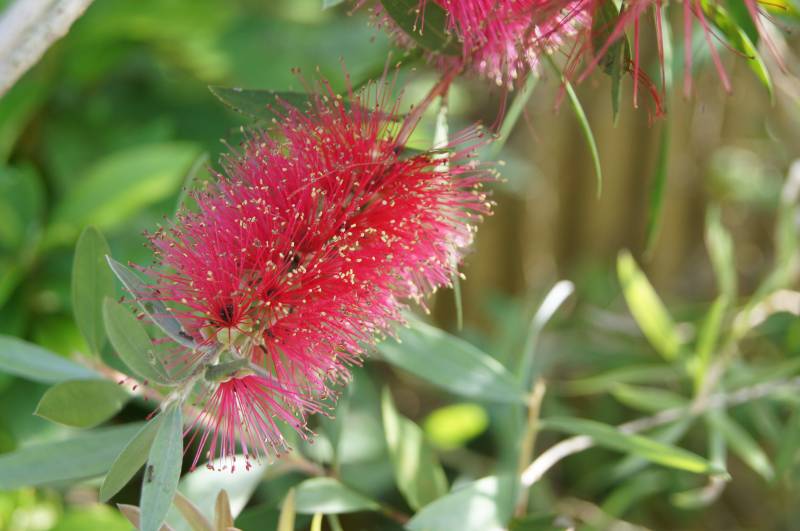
{"x": 308, "y": 249}
{"x": 241, "y": 414}
{"x": 503, "y": 40}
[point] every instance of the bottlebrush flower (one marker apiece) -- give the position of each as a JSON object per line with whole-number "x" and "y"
{"x": 501, "y": 40}
{"x": 306, "y": 251}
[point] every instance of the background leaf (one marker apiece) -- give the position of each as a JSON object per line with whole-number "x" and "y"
{"x": 32, "y": 362}
{"x": 82, "y": 403}
{"x": 84, "y": 455}
{"x": 328, "y": 496}
{"x": 450, "y": 363}
{"x": 91, "y": 283}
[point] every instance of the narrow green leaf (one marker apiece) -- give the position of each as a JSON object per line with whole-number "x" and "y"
{"x": 669, "y": 434}
{"x": 327, "y": 495}
{"x": 85, "y": 455}
{"x": 32, "y": 362}
{"x": 647, "y": 399}
{"x": 91, "y": 283}
{"x": 451, "y": 363}
{"x": 789, "y": 445}
{"x": 616, "y": 55}
{"x": 163, "y": 470}
{"x": 511, "y": 118}
{"x": 647, "y": 308}
{"x": 588, "y": 135}
{"x": 130, "y": 460}
{"x": 428, "y": 28}
{"x": 720, "y": 250}
{"x": 418, "y": 474}
{"x": 132, "y": 343}
{"x": 550, "y": 304}
{"x": 657, "y": 187}
{"x": 82, "y": 403}
{"x": 155, "y": 310}
{"x": 478, "y": 506}
{"x": 638, "y": 374}
{"x": 612, "y": 438}
{"x": 707, "y": 494}
{"x": 708, "y": 336}
{"x": 286, "y": 520}
{"x": 742, "y": 444}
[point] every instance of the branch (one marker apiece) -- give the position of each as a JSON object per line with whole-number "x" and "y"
{"x": 573, "y": 445}
{"x": 27, "y": 29}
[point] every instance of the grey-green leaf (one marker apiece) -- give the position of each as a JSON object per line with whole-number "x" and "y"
{"x": 85, "y": 455}
{"x": 82, "y": 403}
{"x": 654, "y": 451}
{"x": 418, "y": 474}
{"x": 32, "y": 362}
{"x": 329, "y": 496}
{"x": 155, "y": 310}
{"x": 132, "y": 343}
{"x": 451, "y": 363}
{"x": 130, "y": 460}
{"x": 91, "y": 283}
{"x": 163, "y": 470}
{"x": 482, "y": 505}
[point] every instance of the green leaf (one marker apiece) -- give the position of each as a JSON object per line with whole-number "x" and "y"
{"x": 720, "y": 250}
{"x": 789, "y": 445}
{"x": 32, "y": 362}
{"x": 132, "y": 343}
{"x": 418, "y": 474}
{"x": 428, "y": 29}
{"x": 647, "y": 399}
{"x": 85, "y": 455}
{"x": 452, "y": 426}
{"x": 742, "y": 444}
{"x": 327, "y": 4}
{"x": 451, "y": 363}
{"x": 82, "y": 403}
{"x": 286, "y": 520}
{"x": 741, "y": 41}
{"x": 130, "y": 460}
{"x": 327, "y": 495}
{"x": 478, "y": 506}
{"x": 603, "y": 382}
{"x": 610, "y": 437}
{"x": 260, "y": 104}
{"x": 668, "y": 434}
{"x": 588, "y": 135}
{"x": 616, "y": 55}
{"x": 91, "y": 283}
{"x": 122, "y": 184}
{"x": 163, "y": 470}
{"x": 647, "y": 308}
{"x": 155, "y": 310}
{"x": 708, "y": 336}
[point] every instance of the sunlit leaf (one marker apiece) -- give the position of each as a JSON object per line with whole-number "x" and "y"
{"x": 82, "y": 403}
{"x": 418, "y": 474}
{"x": 721, "y": 252}
{"x": 32, "y": 362}
{"x": 742, "y": 444}
{"x": 163, "y": 470}
{"x": 481, "y": 505}
{"x": 610, "y": 437}
{"x": 450, "y": 363}
{"x": 646, "y": 307}
{"x": 453, "y": 426}
{"x": 286, "y": 520}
